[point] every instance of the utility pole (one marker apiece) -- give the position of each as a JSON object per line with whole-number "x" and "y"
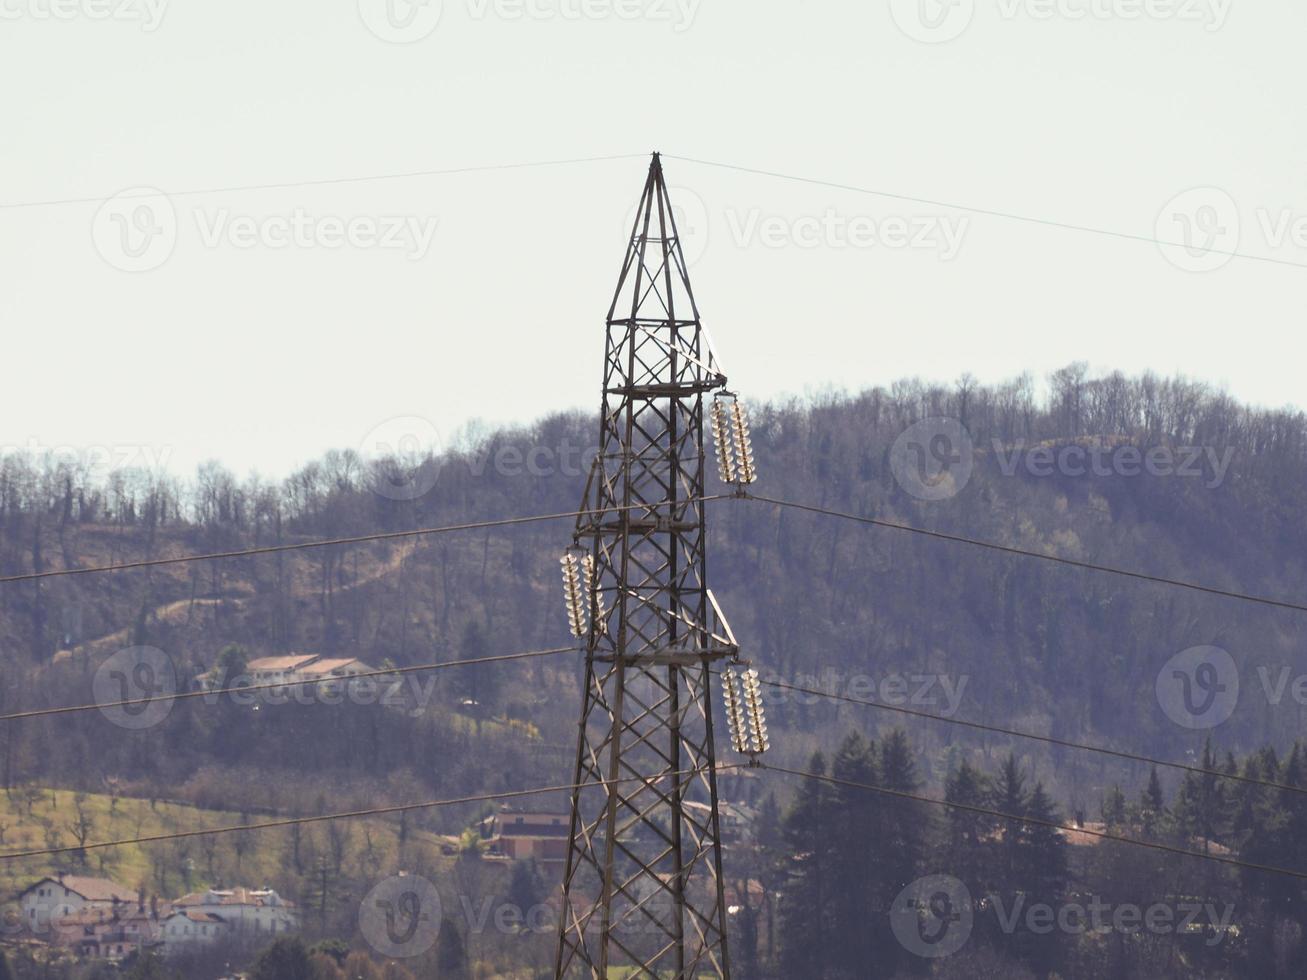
{"x": 643, "y": 888}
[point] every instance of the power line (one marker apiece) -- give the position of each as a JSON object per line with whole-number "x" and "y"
{"x": 487, "y": 168}
{"x": 1051, "y": 824}
{"x": 1008, "y": 550}
{"x": 1048, "y": 739}
{"x": 326, "y": 181}
{"x": 989, "y": 212}
{"x": 571, "y": 515}
{"x": 284, "y": 685}
{"x": 329, "y": 542}
{"x": 322, "y": 818}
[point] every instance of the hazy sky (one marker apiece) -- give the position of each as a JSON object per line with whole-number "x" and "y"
{"x": 261, "y": 327}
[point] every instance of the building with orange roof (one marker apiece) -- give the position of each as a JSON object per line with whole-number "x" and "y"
{"x": 66, "y": 895}
{"x": 245, "y": 911}
{"x": 291, "y": 670}
{"x": 109, "y": 934}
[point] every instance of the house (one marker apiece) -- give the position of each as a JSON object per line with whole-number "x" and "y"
{"x": 66, "y": 895}
{"x": 285, "y": 672}
{"x": 189, "y": 927}
{"x": 521, "y": 835}
{"x": 243, "y": 911}
{"x": 735, "y": 819}
{"x": 331, "y": 673}
{"x": 109, "y": 934}
{"x": 278, "y": 670}
{"x": 1092, "y": 833}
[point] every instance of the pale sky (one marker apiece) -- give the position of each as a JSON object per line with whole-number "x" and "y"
{"x": 252, "y": 334}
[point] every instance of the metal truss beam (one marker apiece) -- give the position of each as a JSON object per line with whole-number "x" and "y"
{"x": 643, "y": 891}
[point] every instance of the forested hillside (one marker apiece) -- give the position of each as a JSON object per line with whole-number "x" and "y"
{"x": 1066, "y": 651}
{"x": 815, "y": 600}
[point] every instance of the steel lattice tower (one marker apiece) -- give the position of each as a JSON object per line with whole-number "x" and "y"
{"x": 642, "y": 893}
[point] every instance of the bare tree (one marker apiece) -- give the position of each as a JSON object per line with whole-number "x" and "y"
{"x": 82, "y": 826}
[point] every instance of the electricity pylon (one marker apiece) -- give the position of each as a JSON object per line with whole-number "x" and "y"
{"x": 642, "y": 892}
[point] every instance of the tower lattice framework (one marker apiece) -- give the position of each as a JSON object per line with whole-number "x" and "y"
{"x": 643, "y": 890}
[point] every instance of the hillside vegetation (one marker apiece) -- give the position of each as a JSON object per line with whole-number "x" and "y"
{"x": 814, "y": 599}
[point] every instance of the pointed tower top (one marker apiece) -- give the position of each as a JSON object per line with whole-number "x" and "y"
{"x": 654, "y": 284}
{"x": 654, "y": 297}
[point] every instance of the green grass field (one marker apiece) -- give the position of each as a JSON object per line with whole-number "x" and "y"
{"x": 252, "y": 858}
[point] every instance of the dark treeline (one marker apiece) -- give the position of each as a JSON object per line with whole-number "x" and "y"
{"x": 1005, "y": 898}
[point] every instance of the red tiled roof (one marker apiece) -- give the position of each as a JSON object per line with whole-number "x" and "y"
{"x": 91, "y": 889}
{"x": 323, "y": 667}
{"x": 227, "y": 896}
{"x": 195, "y": 916}
{"x": 239, "y": 896}
{"x": 281, "y": 663}
{"x": 89, "y": 917}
